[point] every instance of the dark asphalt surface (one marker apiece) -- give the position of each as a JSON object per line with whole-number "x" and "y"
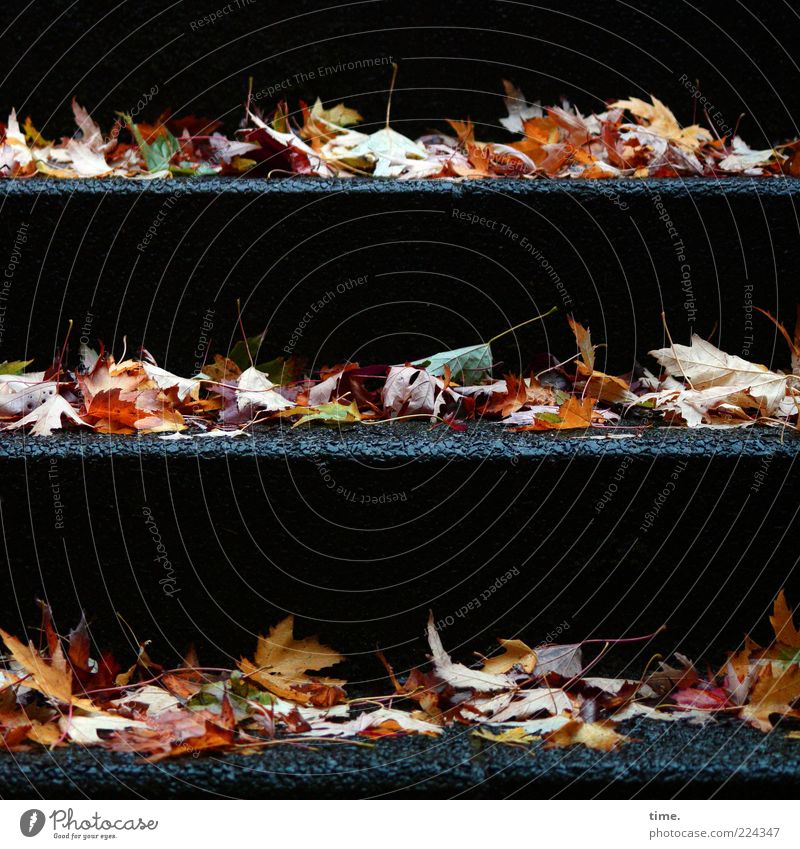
{"x": 670, "y": 759}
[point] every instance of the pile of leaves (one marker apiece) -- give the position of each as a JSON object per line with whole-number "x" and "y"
{"x": 58, "y": 693}
{"x": 630, "y": 138}
{"x": 698, "y": 385}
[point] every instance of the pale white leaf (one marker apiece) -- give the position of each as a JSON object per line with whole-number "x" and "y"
{"x": 257, "y": 390}
{"x": 459, "y": 676}
{"x": 48, "y": 417}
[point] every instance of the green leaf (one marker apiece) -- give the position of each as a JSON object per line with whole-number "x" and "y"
{"x": 550, "y": 418}
{"x": 158, "y": 153}
{"x": 194, "y": 169}
{"x": 330, "y": 413}
{"x": 281, "y": 370}
{"x": 246, "y": 350}
{"x": 473, "y": 362}
{"x": 14, "y": 367}
{"x": 467, "y": 365}
{"x": 241, "y": 695}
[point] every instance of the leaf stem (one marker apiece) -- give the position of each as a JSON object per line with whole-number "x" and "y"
{"x": 522, "y": 324}
{"x": 391, "y": 92}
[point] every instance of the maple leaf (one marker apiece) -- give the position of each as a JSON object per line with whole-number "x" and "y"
{"x": 409, "y": 391}
{"x": 573, "y": 414}
{"x": 705, "y": 366}
{"x": 776, "y": 691}
{"x": 594, "y": 735}
{"x": 518, "y": 108}
{"x": 143, "y": 411}
{"x": 16, "y": 154}
{"x": 281, "y": 663}
{"x": 91, "y": 730}
{"x": 389, "y": 152}
{"x": 612, "y": 390}
{"x": 667, "y": 677}
{"x": 48, "y": 417}
{"x": 524, "y": 733}
{"x": 321, "y": 125}
{"x": 105, "y": 375}
{"x": 743, "y": 158}
{"x": 23, "y": 393}
{"x": 383, "y": 722}
{"x": 782, "y": 623}
{"x": 515, "y": 653}
{"x": 75, "y": 160}
{"x": 660, "y": 120}
{"x": 51, "y": 677}
{"x": 456, "y": 674}
{"x": 330, "y": 413}
{"x": 15, "y": 367}
{"x": 187, "y": 387}
{"x": 512, "y": 394}
{"x": 255, "y": 389}
{"x": 523, "y": 704}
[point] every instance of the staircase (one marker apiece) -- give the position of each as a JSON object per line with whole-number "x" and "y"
{"x": 360, "y": 533}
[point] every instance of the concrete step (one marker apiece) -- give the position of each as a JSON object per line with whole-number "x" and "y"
{"x": 386, "y": 271}
{"x": 360, "y": 533}
{"x": 669, "y": 760}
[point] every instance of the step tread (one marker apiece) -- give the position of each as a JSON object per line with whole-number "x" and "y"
{"x": 253, "y": 186}
{"x": 410, "y": 440}
{"x": 668, "y": 759}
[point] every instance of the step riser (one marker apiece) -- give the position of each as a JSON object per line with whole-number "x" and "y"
{"x": 452, "y": 60}
{"x": 605, "y": 545}
{"x": 388, "y": 272}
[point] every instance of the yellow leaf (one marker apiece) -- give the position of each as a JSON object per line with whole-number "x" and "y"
{"x": 52, "y": 679}
{"x": 773, "y": 694}
{"x": 46, "y": 734}
{"x": 509, "y": 737}
{"x": 593, "y": 735}
{"x": 515, "y": 653}
{"x": 660, "y": 120}
{"x": 281, "y": 662}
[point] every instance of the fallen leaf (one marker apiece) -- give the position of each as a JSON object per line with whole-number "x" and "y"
{"x": 255, "y": 389}
{"x": 594, "y": 735}
{"x": 777, "y": 691}
{"x": 51, "y": 677}
{"x": 705, "y": 367}
{"x": 783, "y": 624}
{"x": 456, "y": 674}
{"x": 281, "y": 663}
{"x": 48, "y": 417}
{"x": 515, "y": 653}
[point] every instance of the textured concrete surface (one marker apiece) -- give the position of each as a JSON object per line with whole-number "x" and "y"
{"x": 725, "y": 759}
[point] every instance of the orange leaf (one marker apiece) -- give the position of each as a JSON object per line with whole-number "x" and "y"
{"x": 574, "y": 415}
{"x": 773, "y": 694}
{"x": 782, "y": 623}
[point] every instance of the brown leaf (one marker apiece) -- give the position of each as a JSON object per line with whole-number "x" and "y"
{"x": 52, "y": 677}
{"x": 783, "y": 624}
